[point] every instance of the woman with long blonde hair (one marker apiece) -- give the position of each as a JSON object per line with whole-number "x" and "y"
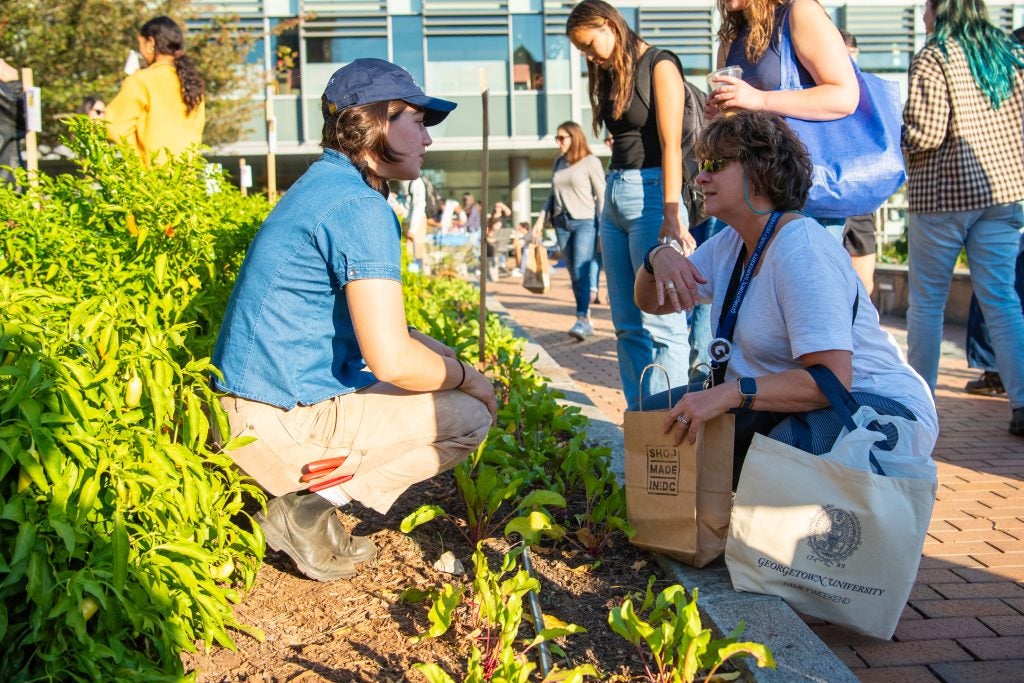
{"x": 750, "y": 37}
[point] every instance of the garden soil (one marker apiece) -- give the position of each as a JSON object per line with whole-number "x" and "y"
{"x": 358, "y": 630}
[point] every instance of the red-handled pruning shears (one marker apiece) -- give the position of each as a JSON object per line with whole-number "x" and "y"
{"x": 320, "y": 468}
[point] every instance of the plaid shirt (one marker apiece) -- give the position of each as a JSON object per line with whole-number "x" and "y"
{"x": 961, "y": 153}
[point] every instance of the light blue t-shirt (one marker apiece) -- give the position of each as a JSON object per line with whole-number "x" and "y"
{"x": 287, "y": 335}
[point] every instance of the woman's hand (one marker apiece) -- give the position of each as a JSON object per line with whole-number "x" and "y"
{"x": 480, "y": 388}
{"x": 672, "y": 229}
{"x": 697, "y": 408}
{"x": 734, "y": 94}
{"x": 537, "y": 234}
{"x": 675, "y": 280}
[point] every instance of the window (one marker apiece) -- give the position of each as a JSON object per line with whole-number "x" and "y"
{"x": 407, "y": 44}
{"x": 527, "y": 52}
{"x": 454, "y": 63}
{"x": 344, "y": 50}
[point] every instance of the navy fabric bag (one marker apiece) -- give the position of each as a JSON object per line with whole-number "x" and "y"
{"x": 857, "y": 159}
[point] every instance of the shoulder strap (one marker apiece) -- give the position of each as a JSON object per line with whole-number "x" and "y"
{"x": 645, "y": 78}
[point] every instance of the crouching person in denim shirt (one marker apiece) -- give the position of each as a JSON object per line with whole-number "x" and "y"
{"x": 317, "y": 361}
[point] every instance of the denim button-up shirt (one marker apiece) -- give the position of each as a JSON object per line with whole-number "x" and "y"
{"x": 287, "y": 335}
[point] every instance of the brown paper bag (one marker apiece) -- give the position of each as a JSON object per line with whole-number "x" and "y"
{"x": 537, "y": 276}
{"x": 678, "y": 498}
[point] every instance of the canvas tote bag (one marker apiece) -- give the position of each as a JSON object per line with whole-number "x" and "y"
{"x": 537, "y": 277}
{"x": 835, "y": 542}
{"x": 678, "y": 497}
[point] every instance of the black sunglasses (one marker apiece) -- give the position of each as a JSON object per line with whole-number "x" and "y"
{"x": 559, "y": 138}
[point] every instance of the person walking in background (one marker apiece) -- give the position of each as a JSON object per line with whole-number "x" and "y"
{"x": 472, "y": 208}
{"x": 750, "y": 38}
{"x": 965, "y": 173}
{"x": 859, "y": 231}
{"x": 93, "y": 107}
{"x": 574, "y": 208}
{"x": 160, "y": 109}
{"x": 416, "y": 234}
{"x": 643, "y": 197}
{"x": 980, "y": 354}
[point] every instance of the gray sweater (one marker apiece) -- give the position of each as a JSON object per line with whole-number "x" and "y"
{"x": 577, "y": 189}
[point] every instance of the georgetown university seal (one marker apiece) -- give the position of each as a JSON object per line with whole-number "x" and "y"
{"x": 834, "y": 536}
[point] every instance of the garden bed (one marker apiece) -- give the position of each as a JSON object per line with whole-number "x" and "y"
{"x": 126, "y": 535}
{"x": 359, "y": 630}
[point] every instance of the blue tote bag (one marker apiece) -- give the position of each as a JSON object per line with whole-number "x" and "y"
{"x": 857, "y": 159}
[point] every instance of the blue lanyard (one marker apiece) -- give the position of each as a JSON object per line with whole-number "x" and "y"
{"x": 727, "y": 321}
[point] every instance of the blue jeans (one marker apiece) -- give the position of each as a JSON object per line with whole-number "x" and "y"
{"x": 991, "y": 238}
{"x": 630, "y": 225}
{"x": 595, "y": 265}
{"x": 980, "y": 353}
{"x": 576, "y": 239}
{"x": 702, "y": 327}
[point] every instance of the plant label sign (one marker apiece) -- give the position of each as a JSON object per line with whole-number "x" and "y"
{"x": 33, "y": 109}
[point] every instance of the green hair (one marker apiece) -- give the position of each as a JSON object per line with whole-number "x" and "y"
{"x": 992, "y": 56}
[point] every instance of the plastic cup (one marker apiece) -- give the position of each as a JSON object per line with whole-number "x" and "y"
{"x": 734, "y": 71}
{"x": 713, "y": 84}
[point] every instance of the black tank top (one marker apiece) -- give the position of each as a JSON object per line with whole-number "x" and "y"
{"x": 635, "y": 142}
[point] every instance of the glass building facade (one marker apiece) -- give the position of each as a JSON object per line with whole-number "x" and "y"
{"x": 535, "y": 78}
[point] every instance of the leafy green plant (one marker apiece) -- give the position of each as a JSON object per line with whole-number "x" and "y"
{"x": 494, "y": 614}
{"x": 486, "y": 491}
{"x": 671, "y": 642}
{"x": 123, "y": 539}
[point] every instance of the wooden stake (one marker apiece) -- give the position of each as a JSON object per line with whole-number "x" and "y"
{"x": 241, "y": 176}
{"x": 485, "y": 162}
{"x": 31, "y": 146}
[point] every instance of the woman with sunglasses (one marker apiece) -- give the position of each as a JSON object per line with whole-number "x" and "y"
{"x": 315, "y": 357}
{"x": 574, "y": 208}
{"x": 800, "y": 303}
{"x": 645, "y": 180}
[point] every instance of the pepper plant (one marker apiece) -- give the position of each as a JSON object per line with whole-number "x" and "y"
{"x": 123, "y": 533}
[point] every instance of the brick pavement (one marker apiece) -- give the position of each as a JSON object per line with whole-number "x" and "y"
{"x": 965, "y": 617}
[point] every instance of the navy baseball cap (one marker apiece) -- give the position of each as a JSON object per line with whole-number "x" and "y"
{"x": 370, "y": 80}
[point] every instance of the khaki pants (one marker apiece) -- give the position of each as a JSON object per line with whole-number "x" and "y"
{"x": 391, "y": 438}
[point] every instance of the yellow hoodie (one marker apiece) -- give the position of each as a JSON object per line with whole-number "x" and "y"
{"x": 149, "y": 114}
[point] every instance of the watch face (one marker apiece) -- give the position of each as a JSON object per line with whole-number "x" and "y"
{"x": 748, "y": 386}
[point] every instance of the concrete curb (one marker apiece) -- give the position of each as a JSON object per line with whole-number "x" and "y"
{"x": 799, "y": 653}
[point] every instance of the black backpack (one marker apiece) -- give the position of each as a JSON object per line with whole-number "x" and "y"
{"x": 693, "y": 122}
